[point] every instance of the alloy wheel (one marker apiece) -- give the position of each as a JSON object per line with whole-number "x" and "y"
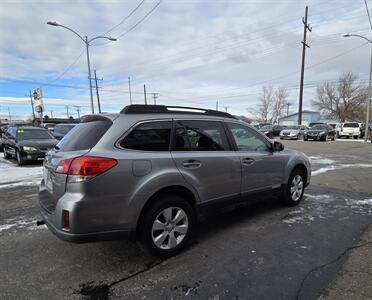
{"x": 170, "y": 227}
{"x": 297, "y": 187}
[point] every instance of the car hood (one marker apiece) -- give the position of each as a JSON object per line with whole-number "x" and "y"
{"x": 290, "y": 131}
{"x": 50, "y": 143}
{"x": 315, "y": 131}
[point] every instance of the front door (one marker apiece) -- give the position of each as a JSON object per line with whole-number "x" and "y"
{"x": 262, "y": 168}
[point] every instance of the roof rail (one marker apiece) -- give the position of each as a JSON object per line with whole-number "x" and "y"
{"x": 163, "y": 109}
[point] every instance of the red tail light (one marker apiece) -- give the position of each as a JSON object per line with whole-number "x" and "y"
{"x": 65, "y": 219}
{"x": 86, "y": 166}
{"x": 91, "y": 166}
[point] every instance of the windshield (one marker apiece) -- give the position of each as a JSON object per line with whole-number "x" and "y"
{"x": 267, "y": 127}
{"x": 63, "y": 128}
{"x": 293, "y": 127}
{"x": 33, "y": 134}
{"x": 319, "y": 127}
{"x": 353, "y": 125}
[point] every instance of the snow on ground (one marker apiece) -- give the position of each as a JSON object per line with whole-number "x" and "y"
{"x": 322, "y": 205}
{"x": 13, "y": 175}
{"x": 20, "y": 223}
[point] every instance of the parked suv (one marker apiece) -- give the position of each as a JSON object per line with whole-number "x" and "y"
{"x": 152, "y": 171}
{"x": 348, "y": 129}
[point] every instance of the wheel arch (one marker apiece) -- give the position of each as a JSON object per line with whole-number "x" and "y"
{"x": 178, "y": 190}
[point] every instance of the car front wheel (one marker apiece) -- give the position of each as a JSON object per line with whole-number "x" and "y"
{"x": 20, "y": 159}
{"x": 295, "y": 188}
{"x": 167, "y": 225}
{"x": 6, "y": 154}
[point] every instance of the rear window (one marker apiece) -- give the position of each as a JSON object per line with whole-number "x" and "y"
{"x": 63, "y": 129}
{"x": 149, "y": 136}
{"x": 84, "y": 136}
{"x": 354, "y": 125}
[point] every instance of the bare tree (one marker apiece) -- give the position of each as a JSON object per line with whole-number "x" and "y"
{"x": 272, "y": 104}
{"x": 344, "y": 100}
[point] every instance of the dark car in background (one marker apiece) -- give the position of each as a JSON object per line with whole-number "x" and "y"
{"x": 320, "y": 132}
{"x": 60, "y": 130}
{"x": 267, "y": 130}
{"x": 49, "y": 126}
{"x": 27, "y": 143}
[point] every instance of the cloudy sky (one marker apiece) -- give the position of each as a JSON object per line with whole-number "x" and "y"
{"x": 191, "y": 53}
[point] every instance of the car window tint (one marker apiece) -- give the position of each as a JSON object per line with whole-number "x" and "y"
{"x": 149, "y": 136}
{"x": 247, "y": 139}
{"x": 84, "y": 136}
{"x": 200, "y": 136}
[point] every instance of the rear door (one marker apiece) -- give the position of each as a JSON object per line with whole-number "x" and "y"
{"x": 206, "y": 160}
{"x": 262, "y": 169}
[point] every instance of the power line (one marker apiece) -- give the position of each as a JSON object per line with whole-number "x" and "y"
{"x": 69, "y": 67}
{"x": 140, "y": 21}
{"x": 125, "y": 18}
{"x": 369, "y": 17}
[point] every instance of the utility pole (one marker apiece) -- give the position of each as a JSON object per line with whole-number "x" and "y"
{"x": 155, "y": 96}
{"x": 226, "y": 107}
{"x": 130, "y": 91}
{"x": 144, "y": 91}
{"x": 95, "y": 79}
{"x": 51, "y": 114}
{"x": 67, "y": 112}
{"x": 10, "y": 116}
{"x": 32, "y": 105}
{"x": 216, "y": 105}
{"x": 78, "y": 110}
{"x": 288, "y": 104}
{"x": 304, "y": 45}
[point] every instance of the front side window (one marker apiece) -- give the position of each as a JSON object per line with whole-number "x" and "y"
{"x": 247, "y": 139}
{"x": 149, "y": 136}
{"x": 200, "y": 136}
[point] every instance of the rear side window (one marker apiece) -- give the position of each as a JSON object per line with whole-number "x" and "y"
{"x": 63, "y": 129}
{"x": 149, "y": 136}
{"x": 84, "y": 136}
{"x": 353, "y": 125}
{"x": 200, "y": 136}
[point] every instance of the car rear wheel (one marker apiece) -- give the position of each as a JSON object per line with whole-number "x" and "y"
{"x": 6, "y": 154}
{"x": 295, "y": 188}
{"x": 167, "y": 225}
{"x": 355, "y": 137}
{"x": 20, "y": 159}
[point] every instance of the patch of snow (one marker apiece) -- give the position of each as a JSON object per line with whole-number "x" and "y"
{"x": 359, "y": 202}
{"x": 20, "y": 223}
{"x": 13, "y": 174}
{"x": 338, "y": 167}
{"x": 321, "y": 161}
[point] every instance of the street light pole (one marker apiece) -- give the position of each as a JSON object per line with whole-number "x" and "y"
{"x": 369, "y": 83}
{"x": 87, "y": 43}
{"x": 90, "y": 80}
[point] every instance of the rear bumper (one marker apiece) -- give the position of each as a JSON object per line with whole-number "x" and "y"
{"x": 90, "y": 237}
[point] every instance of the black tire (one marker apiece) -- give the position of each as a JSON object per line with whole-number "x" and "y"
{"x": 20, "y": 159}
{"x": 6, "y": 154}
{"x": 305, "y": 139}
{"x": 325, "y": 139}
{"x": 153, "y": 212}
{"x": 355, "y": 137}
{"x": 287, "y": 198}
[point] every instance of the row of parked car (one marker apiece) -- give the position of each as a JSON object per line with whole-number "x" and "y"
{"x": 315, "y": 131}
{"x": 26, "y": 142}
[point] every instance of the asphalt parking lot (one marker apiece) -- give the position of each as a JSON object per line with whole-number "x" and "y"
{"x": 265, "y": 251}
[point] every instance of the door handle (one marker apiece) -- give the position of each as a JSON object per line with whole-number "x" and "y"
{"x": 248, "y": 161}
{"x": 191, "y": 164}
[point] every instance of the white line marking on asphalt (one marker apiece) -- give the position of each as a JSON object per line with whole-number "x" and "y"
{"x": 338, "y": 167}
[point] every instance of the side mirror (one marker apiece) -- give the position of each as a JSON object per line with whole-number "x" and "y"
{"x": 278, "y": 146}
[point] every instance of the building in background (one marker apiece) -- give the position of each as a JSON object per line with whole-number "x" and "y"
{"x": 308, "y": 116}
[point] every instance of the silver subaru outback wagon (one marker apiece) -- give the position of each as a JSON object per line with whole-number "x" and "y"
{"x": 153, "y": 171}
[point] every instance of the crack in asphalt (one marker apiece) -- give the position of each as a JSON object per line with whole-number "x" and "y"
{"x": 327, "y": 264}
{"x": 102, "y": 291}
